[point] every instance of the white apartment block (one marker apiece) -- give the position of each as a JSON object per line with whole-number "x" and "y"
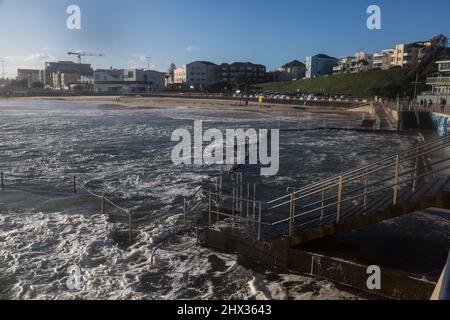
{"x": 179, "y": 75}
{"x": 198, "y": 74}
{"x": 128, "y": 81}
{"x": 382, "y": 60}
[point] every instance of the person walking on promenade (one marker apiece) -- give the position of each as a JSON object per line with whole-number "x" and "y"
{"x": 443, "y": 104}
{"x": 430, "y": 104}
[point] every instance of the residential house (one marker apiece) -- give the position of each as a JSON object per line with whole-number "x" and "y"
{"x": 295, "y": 70}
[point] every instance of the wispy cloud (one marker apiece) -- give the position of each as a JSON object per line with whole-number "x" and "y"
{"x": 30, "y": 61}
{"x": 139, "y": 61}
{"x": 192, "y": 48}
{"x": 31, "y": 58}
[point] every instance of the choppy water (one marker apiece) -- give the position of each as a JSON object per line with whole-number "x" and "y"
{"x": 44, "y": 228}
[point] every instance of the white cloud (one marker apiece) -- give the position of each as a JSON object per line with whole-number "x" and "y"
{"x": 192, "y": 48}
{"x": 139, "y": 61}
{"x": 31, "y": 58}
{"x": 29, "y": 61}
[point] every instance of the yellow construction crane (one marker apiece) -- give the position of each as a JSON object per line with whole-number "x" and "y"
{"x": 81, "y": 54}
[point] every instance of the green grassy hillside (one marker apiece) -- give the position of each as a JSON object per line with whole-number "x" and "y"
{"x": 365, "y": 84}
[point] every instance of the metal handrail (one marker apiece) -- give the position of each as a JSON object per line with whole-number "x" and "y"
{"x": 405, "y": 173}
{"x": 82, "y": 186}
{"x": 404, "y": 176}
{"x": 366, "y": 167}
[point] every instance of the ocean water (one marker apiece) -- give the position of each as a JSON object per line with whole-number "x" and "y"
{"x": 125, "y": 154}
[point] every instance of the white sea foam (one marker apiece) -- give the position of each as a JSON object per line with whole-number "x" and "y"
{"x": 126, "y": 154}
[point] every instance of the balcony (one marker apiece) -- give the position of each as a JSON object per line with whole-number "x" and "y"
{"x": 445, "y": 81}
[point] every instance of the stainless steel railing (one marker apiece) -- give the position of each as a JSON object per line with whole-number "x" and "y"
{"x": 324, "y": 201}
{"x": 75, "y": 183}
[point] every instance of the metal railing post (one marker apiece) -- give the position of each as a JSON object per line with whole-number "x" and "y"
{"x": 396, "y": 179}
{"x": 259, "y": 222}
{"x": 242, "y": 192}
{"x": 221, "y": 182}
{"x": 416, "y": 172}
{"x": 234, "y": 194}
{"x": 209, "y": 210}
{"x": 340, "y": 195}
{"x": 366, "y": 186}
{"x": 292, "y": 213}
{"x": 254, "y": 199}
{"x": 322, "y": 211}
{"x": 248, "y": 200}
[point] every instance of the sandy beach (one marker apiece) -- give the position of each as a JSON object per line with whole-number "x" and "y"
{"x": 198, "y": 103}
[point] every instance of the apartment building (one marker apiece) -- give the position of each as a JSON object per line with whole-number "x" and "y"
{"x": 382, "y": 60}
{"x": 320, "y": 65}
{"x": 343, "y": 65}
{"x": 360, "y": 62}
{"x": 440, "y": 84}
{"x": 179, "y": 75}
{"x": 69, "y": 67}
{"x": 242, "y": 72}
{"x": 64, "y": 80}
{"x": 128, "y": 81}
{"x": 407, "y": 54}
{"x": 200, "y": 74}
{"x": 30, "y": 75}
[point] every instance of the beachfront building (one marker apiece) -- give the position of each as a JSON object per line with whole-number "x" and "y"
{"x": 294, "y": 70}
{"x": 360, "y": 62}
{"x": 241, "y": 72}
{"x": 196, "y": 75}
{"x": 440, "y": 84}
{"x": 320, "y": 65}
{"x": 64, "y": 80}
{"x": 30, "y": 75}
{"x": 200, "y": 74}
{"x": 179, "y": 76}
{"x": 55, "y": 69}
{"x": 405, "y": 55}
{"x": 128, "y": 81}
{"x": 343, "y": 65}
{"x": 382, "y": 60}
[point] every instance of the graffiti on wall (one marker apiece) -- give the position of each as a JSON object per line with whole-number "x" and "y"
{"x": 442, "y": 123}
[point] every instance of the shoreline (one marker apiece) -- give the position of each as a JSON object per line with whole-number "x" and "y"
{"x": 192, "y": 103}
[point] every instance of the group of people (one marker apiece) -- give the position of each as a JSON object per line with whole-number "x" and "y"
{"x": 429, "y": 104}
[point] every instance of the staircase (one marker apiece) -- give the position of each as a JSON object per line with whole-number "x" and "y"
{"x": 416, "y": 179}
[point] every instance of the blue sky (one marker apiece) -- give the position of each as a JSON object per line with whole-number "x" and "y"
{"x": 271, "y": 32}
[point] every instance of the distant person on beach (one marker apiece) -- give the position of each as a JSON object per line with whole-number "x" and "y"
{"x": 443, "y": 104}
